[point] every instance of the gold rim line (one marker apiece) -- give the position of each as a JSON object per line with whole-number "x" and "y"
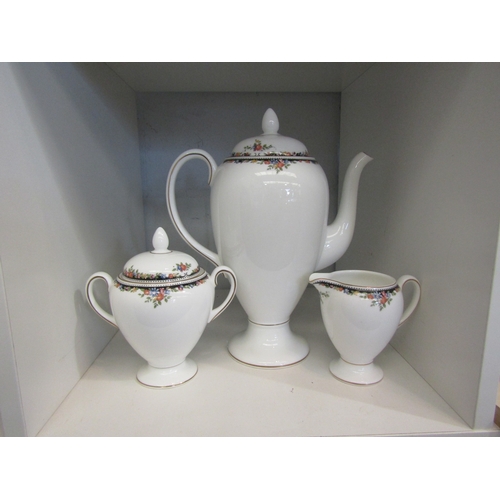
{"x": 91, "y": 303}
{"x": 232, "y": 294}
{"x": 263, "y": 324}
{"x": 271, "y": 367}
{"x": 166, "y": 283}
{"x": 170, "y": 207}
{"x": 166, "y": 386}
{"x": 355, "y": 364}
{"x": 339, "y": 284}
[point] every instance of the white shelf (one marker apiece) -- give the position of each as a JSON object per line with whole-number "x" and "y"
{"x": 228, "y": 398}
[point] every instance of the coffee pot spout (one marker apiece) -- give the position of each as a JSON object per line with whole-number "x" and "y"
{"x": 340, "y": 232}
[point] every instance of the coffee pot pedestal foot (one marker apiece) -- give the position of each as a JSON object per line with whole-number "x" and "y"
{"x": 268, "y": 346}
{"x": 167, "y": 377}
{"x": 356, "y": 374}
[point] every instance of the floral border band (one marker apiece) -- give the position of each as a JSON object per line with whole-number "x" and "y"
{"x": 179, "y": 270}
{"x": 275, "y": 160}
{"x": 380, "y": 297}
{"x": 159, "y": 295}
{"x": 277, "y": 164}
{"x": 270, "y": 154}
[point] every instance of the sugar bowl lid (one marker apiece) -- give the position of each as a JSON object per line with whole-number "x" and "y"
{"x": 160, "y": 267}
{"x": 270, "y": 143}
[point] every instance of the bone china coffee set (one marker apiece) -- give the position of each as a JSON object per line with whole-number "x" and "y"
{"x": 269, "y": 204}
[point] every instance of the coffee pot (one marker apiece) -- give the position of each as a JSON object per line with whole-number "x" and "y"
{"x": 269, "y": 205}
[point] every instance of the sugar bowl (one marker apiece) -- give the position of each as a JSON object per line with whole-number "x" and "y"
{"x": 162, "y": 302}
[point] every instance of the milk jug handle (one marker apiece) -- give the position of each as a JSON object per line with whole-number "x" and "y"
{"x": 232, "y": 290}
{"x": 191, "y": 154}
{"x": 415, "y": 298}
{"x": 92, "y": 300}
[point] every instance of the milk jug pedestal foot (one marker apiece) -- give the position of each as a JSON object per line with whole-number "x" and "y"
{"x": 167, "y": 377}
{"x": 268, "y": 346}
{"x": 356, "y": 374}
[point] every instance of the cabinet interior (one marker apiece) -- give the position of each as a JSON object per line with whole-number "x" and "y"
{"x": 86, "y": 152}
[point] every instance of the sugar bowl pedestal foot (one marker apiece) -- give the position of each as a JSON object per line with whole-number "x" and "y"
{"x": 167, "y": 377}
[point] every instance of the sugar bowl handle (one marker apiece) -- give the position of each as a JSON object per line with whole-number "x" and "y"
{"x": 92, "y": 300}
{"x": 415, "y": 298}
{"x": 232, "y": 291}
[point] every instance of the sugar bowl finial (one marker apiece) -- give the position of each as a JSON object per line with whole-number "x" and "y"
{"x": 270, "y": 122}
{"x": 160, "y": 241}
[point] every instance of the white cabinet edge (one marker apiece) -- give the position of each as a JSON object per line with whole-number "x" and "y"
{"x": 11, "y": 408}
{"x": 490, "y": 370}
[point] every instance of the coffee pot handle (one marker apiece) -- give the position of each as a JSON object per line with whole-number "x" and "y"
{"x": 232, "y": 290}
{"x": 92, "y": 300}
{"x": 191, "y": 154}
{"x": 415, "y": 298}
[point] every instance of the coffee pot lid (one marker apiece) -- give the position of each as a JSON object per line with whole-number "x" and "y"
{"x": 161, "y": 267}
{"x": 270, "y": 143}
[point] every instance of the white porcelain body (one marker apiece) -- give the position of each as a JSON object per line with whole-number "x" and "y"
{"x": 270, "y": 227}
{"x": 163, "y": 335}
{"x": 360, "y": 323}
